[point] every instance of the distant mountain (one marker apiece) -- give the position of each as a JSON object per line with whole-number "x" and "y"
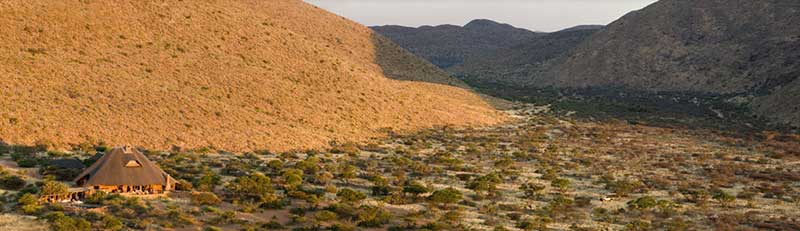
{"x": 514, "y": 65}
{"x": 584, "y": 27}
{"x": 744, "y": 48}
{"x": 233, "y": 75}
{"x": 484, "y": 52}
{"x": 448, "y": 45}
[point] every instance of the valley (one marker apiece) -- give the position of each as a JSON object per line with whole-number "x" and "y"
{"x": 542, "y": 171}
{"x": 281, "y": 115}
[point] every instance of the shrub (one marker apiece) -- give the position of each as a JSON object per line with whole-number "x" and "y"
{"x": 347, "y": 172}
{"x": 380, "y": 190}
{"x": 325, "y": 215}
{"x": 310, "y": 165}
{"x": 530, "y": 224}
{"x": 64, "y": 223}
{"x": 697, "y": 196}
{"x": 256, "y": 186}
{"x": 371, "y": 216}
{"x": 208, "y": 181}
{"x": 29, "y": 204}
{"x": 645, "y": 202}
{"x": 446, "y": 196}
{"x": 275, "y": 165}
{"x": 96, "y": 198}
{"x": 558, "y": 205}
{"x": 212, "y": 228}
{"x": 111, "y": 223}
{"x": 347, "y": 148}
{"x": 624, "y": 187}
{"x": 486, "y": 183}
{"x": 343, "y": 227}
{"x": 51, "y": 187}
{"x": 561, "y": 184}
{"x": 531, "y": 190}
{"x": 27, "y": 162}
{"x": 349, "y": 195}
{"x": 415, "y": 188}
{"x": 637, "y": 225}
{"x": 273, "y": 224}
{"x": 205, "y": 198}
{"x": 723, "y": 198}
{"x": 12, "y": 183}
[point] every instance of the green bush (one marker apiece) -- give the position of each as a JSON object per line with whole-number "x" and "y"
{"x": 29, "y": 204}
{"x": 111, "y": 223}
{"x": 349, "y": 195}
{"x": 637, "y": 225}
{"x": 645, "y": 202}
{"x": 27, "y": 162}
{"x": 292, "y": 178}
{"x": 272, "y": 225}
{"x": 446, "y": 196}
{"x": 325, "y": 215}
{"x": 723, "y": 197}
{"x": 256, "y": 186}
{"x": 624, "y": 187}
{"x": 485, "y": 183}
{"x": 96, "y": 198}
{"x": 12, "y": 183}
{"x": 561, "y": 184}
{"x": 531, "y": 224}
{"x": 531, "y": 190}
{"x": 371, "y": 216}
{"x": 343, "y": 227}
{"x": 207, "y": 182}
{"x": 51, "y": 187}
{"x": 205, "y": 198}
{"x": 60, "y": 222}
{"x": 415, "y": 188}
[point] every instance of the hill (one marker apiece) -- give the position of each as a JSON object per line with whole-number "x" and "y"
{"x": 513, "y": 65}
{"x": 740, "y": 48}
{"x": 234, "y": 75}
{"x": 449, "y": 45}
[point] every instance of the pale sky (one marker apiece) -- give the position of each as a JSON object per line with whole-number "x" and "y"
{"x": 536, "y": 15}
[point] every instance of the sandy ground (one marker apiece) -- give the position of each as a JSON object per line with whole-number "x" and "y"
{"x": 28, "y": 172}
{"x": 20, "y": 223}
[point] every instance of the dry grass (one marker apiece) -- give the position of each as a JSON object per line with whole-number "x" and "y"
{"x": 235, "y": 75}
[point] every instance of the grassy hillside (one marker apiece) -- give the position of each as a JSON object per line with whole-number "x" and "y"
{"x": 236, "y": 75}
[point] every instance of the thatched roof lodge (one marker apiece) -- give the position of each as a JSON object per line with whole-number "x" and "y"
{"x": 125, "y": 170}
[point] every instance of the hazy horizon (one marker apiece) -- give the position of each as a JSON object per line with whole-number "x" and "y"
{"x": 539, "y": 15}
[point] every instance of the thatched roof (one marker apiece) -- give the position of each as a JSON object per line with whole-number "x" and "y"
{"x": 123, "y": 166}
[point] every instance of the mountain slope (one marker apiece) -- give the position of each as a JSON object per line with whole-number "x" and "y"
{"x": 717, "y": 47}
{"x": 449, "y": 45}
{"x": 514, "y": 65}
{"x": 235, "y": 75}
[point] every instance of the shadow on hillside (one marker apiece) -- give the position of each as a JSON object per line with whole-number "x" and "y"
{"x": 399, "y": 64}
{"x": 680, "y": 110}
